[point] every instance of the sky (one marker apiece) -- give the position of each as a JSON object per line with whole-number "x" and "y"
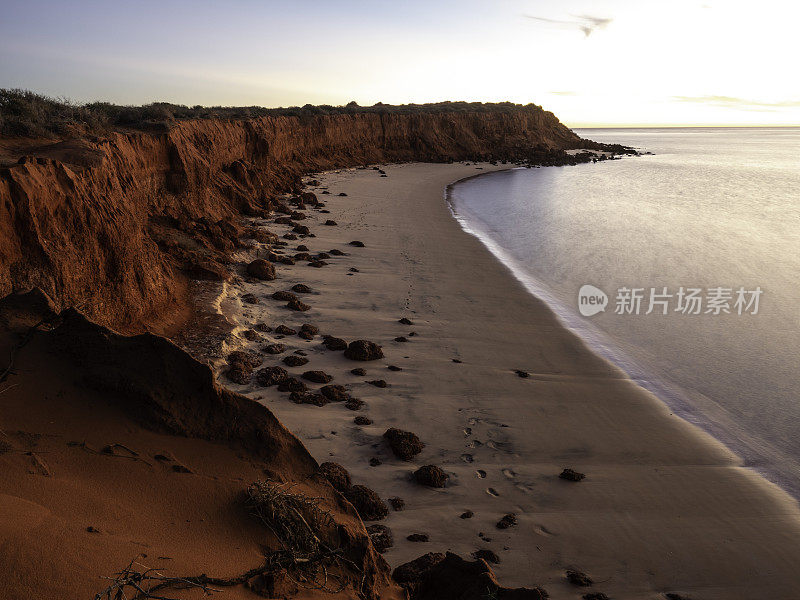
{"x": 593, "y": 63}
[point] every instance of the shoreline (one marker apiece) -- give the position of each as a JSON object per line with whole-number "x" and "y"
{"x": 715, "y": 420}
{"x": 604, "y": 525}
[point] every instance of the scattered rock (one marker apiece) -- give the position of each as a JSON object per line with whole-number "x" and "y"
{"x": 177, "y": 468}
{"x": 274, "y": 348}
{"x": 308, "y": 398}
{"x": 455, "y": 360}
{"x": 301, "y": 229}
{"x": 337, "y": 475}
{"x": 394, "y": 368}
{"x": 331, "y": 223}
{"x": 91, "y": 529}
{"x": 357, "y": 244}
{"x": 368, "y": 504}
{"x": 261, "y": 269}
{"x": 522, "y": 374}
{"x": 467, "y": 514}
{"x": 405, "y": 321}
{"x": 250, "y": 299}
{"x": 251, "y": 335}
{"x": 323, "y": 256}
{"x": 309, "y": 329}
{"x": 595, "y": 596}
{"x": 301, "y": 288}
{"x": 432, "y": 476}
{"x": 271, "y": 376}
{"x": 374, "y": 462}
{"x": 284, "y": 330}
{"x": 581, "y": 579}
{"x": 303, "y": 256}
{"x": 341, "y": 194}
{"x": 292, "y": 384}
{"x": 571, "y": 475}
{"x": 378, "y": 383}
{"x": 334, "y": 343}
{"x": 432, "y": 577}
{"x": 297, "y": 305}
{"x": 317, "y": 376}
{"x": 362, "y": 420}
{"x": 418, "y": 537}
{"x": 354, "y": 270}
{"x": 507, "y": 521}
{"x": 289, "y": 236}
{"x": 381, "y": 537}
{"x": 302, "y": 248}
{"x": 404, "y": 444}
{"x": 284, "y": 296}
{"x": 358, "y": 372}
{"x": 337, "y": 252}
{"x": 335, "y": 393}
{"x": 317, "y": 263}
{"x": 400, "y": 338}
{"x": 294, "y": 361}
{"x": 354, "y": 404}
{"x": 241, "y": 365}
{"x": 263, "y": 327}
{"x": 488, "y": 555}
{"x": 411, "y": 573}
{"x": 398, "y": 504}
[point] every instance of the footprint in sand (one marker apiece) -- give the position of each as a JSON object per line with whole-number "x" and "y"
{"x": 468, "y": 458}
{"x": 509, "y": 473}
{"x": 467, "y": 431}
{"x": 542, "y": 530}
{"x": 492, "y": 492}
{"x": 475, "y": 444}
{"x": 480, "y": 473}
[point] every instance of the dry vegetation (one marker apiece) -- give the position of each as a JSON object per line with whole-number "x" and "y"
{"x": 26, "y": 113}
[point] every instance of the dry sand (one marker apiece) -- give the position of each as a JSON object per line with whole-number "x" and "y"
{"x": 663, "y": 508}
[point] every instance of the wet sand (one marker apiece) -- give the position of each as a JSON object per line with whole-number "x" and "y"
{"x": 663, "y": 507}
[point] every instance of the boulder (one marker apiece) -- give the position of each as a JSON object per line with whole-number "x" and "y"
{"x": 432, "y": 476}
{"x": 261, "y": 269}
{"x": 381, "y": 537}
{"x": 337, "y": 475}
{"x": 317, "y": 376}
{"x": 368, "y": 504}
{"x": 404, "y": 444}
{"x": 271, "y": 376}
{"x": 363, "y": 350}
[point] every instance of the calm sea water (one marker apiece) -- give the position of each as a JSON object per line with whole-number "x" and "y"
{"x": 712, "y": 208}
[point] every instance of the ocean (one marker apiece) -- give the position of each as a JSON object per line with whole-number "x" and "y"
{"x": 697, "y": 250}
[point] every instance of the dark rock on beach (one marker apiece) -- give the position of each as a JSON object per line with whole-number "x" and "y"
{"x": 431, "y": 476}
{"x": 507, "y": 521}
{"x": 295, "y": 361}
{"x": 363, "y": 350}
{"x": 404, "y": 444}
{"x": 261, "y": 269}
{"x": 295, "y": 304}
{"x": 380, "y": 383}
{"x": 335, "y": 393}
{"x": 580, "y": 579}
{"x": 274, "y": 348}
{"x": 301, "y": 288}
{"x": 317, "y": 376}
{"x": 433, "y": 577}
{"x": 418, "y": 537}
{"x": 283, "y": 296}
{"x": 284, "y": 330}
{"x": 357, "y": 244}
{"x": 334, "y": 343}
{"x": 362, "y": 420}
{"x": 358, "y": 372}
{"x": 292, "y": 384}
{"x": 367, "y": 502}
{"x": 271, "y": 376}
{"x": 571, "y": 475}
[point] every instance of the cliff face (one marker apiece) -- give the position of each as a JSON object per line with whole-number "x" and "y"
{"x": 118, "y": 224}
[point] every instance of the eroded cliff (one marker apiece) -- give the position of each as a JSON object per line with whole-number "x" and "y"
{"x": 117, "y": 224}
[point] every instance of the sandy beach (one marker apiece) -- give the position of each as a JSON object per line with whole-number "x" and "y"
{"x": 664, "y": 508}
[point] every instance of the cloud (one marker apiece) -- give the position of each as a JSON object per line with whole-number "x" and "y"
{"x": 739, "y": 103}
{"x": 564, "y": 93}
{"x": 586, "y": 23}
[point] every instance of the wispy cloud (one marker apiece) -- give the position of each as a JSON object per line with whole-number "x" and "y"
{"x": 585, "y": 23}
{"x": 564, "y": 93}
{"x": 739, "y": 103}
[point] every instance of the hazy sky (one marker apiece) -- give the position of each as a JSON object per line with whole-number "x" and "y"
{"x": 591, "y": 62}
